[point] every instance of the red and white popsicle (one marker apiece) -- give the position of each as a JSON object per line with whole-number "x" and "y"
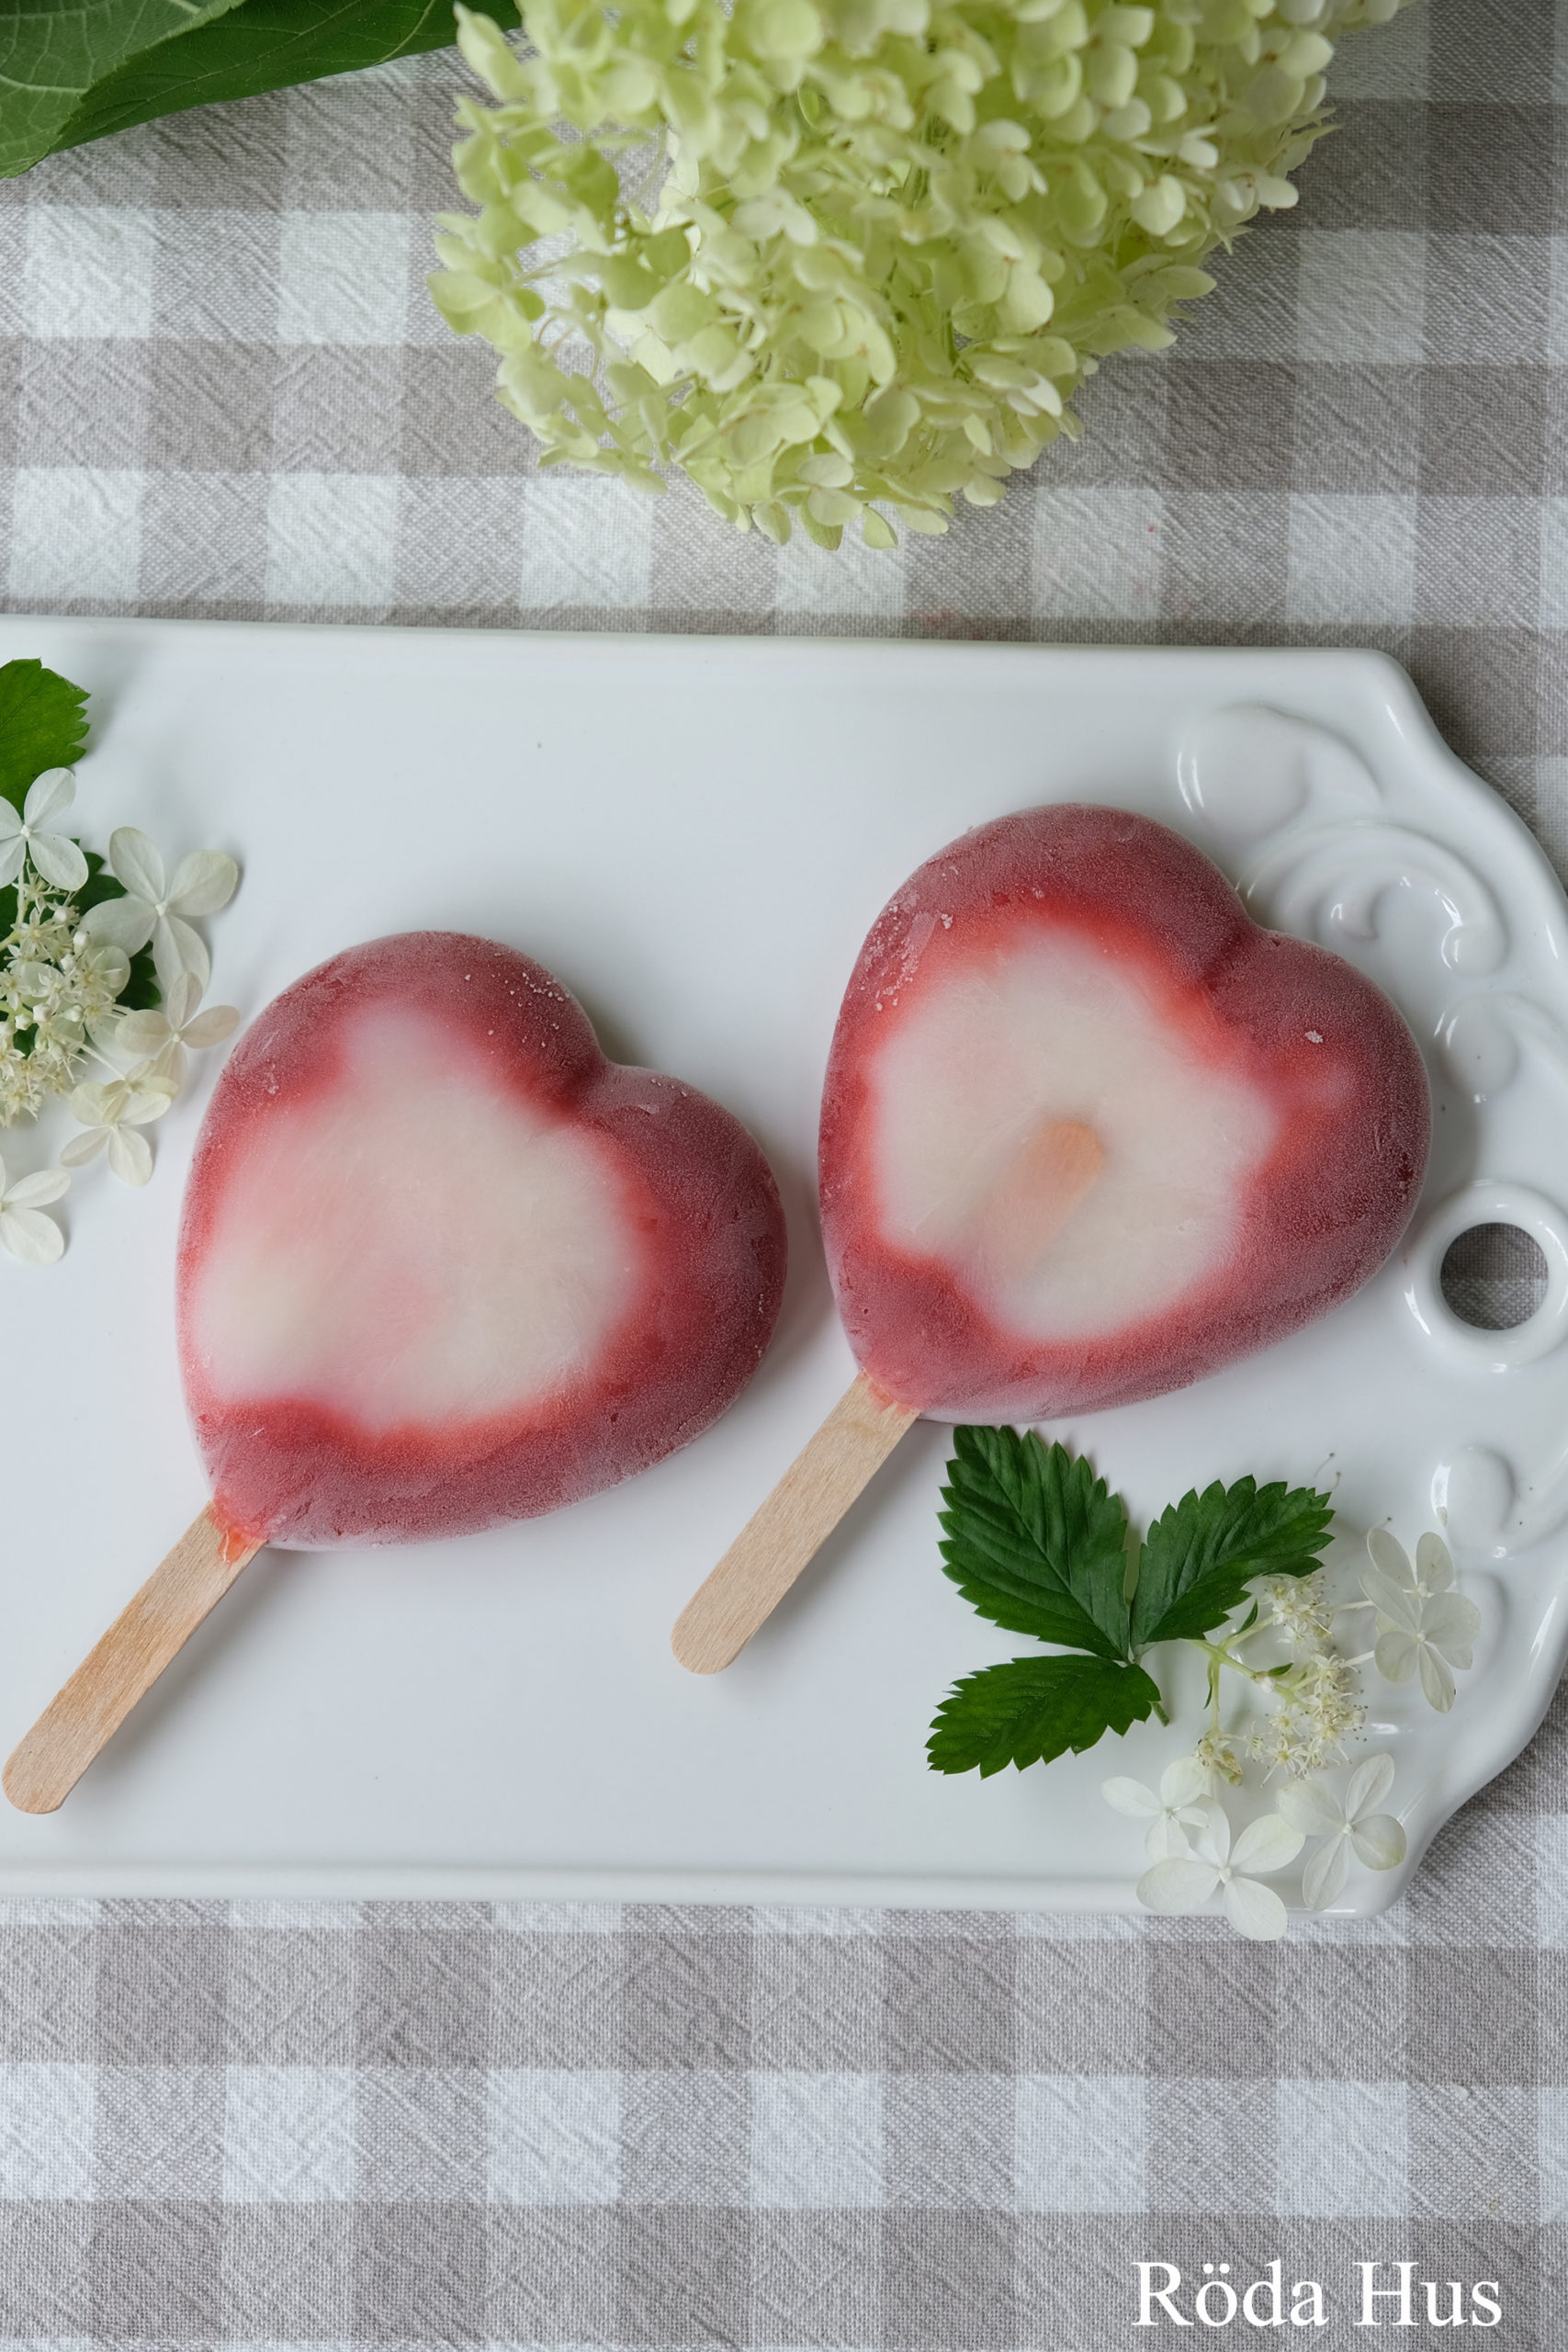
{"x": 441, "y": 1265}
{"x": 1089, "y": 1134}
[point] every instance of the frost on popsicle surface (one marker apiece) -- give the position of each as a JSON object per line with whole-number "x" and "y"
{"x": 1090, "y": 1134}
{"x": 441, "y": 1265}
{"x": 843, "y": 260}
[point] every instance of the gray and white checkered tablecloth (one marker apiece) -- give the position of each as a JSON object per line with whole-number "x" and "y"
{"x": 222, "y": 392}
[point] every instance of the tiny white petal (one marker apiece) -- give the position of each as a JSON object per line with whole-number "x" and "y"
{"x": 13, "y": 857}
{"x": 203, "y": 882}
{"x": 60, "y": 862}
{"x": 1432, "y": 1564}
{"x": 1325, "y": 1874}
{"x": 1214, "y": 1838}
{"x": 1178, "y": 1886}
{"x": 1389, "y": 1555}
{"x": 1379, "y": 1841}
{"x": 126, "y": 923}
{"x": 1267, "y": 1844}
{"x": 1253, "y": 1911}
{"x": 1436, "y": 1681}
{"x": 85, "y": 1147}
{"x": 211, "y": 1028}
{"x": 1165, "y": 1839}
{"x": 1451, "y": 1624}
{"x": 183, "y": 998}
{"x": 1185, "y": 1781}
{"x": 1307, "y": 1806}
{"x": 47, "y": 795}
{"x": 34, "y": 1191}
{"x": 1394, "y": 1656}
{"x": 175, "y": 949}
{"x": 1397, "y": 1602}
{"x": 30, "y": 1234}
{"x": 136, "y": 863}
{"x": 1369, "y": 1783}
{"x": 131, "y": 1155}
{"x": 147, "y": 1103}
{"x": 10, "y": 822}
{"x": 1130, "y": 1796}
{"x": 144, "y": 1035}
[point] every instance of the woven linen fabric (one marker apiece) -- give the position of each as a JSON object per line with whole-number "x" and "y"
{"x": 223, "y": 393}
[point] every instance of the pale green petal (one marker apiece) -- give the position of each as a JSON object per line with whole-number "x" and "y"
{"x": 30, "y": 1235}
{"x": 1307, "y": 1806}
{"x": 1369, "y": 1783}
{"x": 48, "y": 796}
{"x": 135, "y": 862}
{"x": 1325, "y": 1874}
{"x": 1253, "y": 1911}
{"x": 1178, "y": 1886}
{"x": 1271, "y": 1843}
{"x": 1379, "y": 1841}
{"x": 59, "y": 861}
{"x": 203, "y": 882}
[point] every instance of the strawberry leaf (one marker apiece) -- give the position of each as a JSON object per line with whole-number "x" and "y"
{"x": 1201, "y": 1555}
{"x": 1033, "y": 1709}
{"x": 43, "y": 722}
{"x": 1033, "y": 1542}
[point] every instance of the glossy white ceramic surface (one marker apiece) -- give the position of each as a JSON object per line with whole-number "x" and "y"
{"x": 695, "y": 834}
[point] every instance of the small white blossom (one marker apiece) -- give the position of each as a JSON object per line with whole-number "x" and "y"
{"x": 163, "y": 1036}
{"x": 156, "y": 908}
{"x": 55, "y": 857}
{"x": 1423, "y": 1625}
{"x": 111, "y": 1115}
{"x": 1169, "y": 1815}
{"x": 1376, "y": 1838}
{"x": 26, "y": 1233}
{"x": 1185, "y": 1884}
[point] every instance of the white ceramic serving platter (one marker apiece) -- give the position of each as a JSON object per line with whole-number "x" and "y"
{"x": 694, "y": 835}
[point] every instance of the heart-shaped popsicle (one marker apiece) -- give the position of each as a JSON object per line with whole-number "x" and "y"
{"x": 1089, "y": 1134}
{"x": 441, "y": 1265}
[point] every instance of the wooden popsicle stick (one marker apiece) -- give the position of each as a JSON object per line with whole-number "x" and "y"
{"x": 789, "y": 1528}
{"x": 86, "y": 1711}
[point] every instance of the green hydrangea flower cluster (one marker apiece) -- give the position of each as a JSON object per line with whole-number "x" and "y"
{"x": 843, "y": 260}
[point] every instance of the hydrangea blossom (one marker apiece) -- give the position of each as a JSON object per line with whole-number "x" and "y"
{"x": 842, "y": 261}
{"x": 24, "y": 1231}
{"x": 1423, "y": 1624}
{"x": 1177, "y": 1808}
{"x": 1346, "y": 1825}
{"x": 1234, "y": 1872}
{"x": 61, "y": 975}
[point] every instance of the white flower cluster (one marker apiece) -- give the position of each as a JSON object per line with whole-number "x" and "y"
{"x": 1312, "y": 1710}
{"x": 62, "y": 970}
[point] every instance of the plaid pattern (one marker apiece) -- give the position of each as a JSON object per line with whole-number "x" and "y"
{"x": 575, "y": 2126}
{"x": 223, "y": 393}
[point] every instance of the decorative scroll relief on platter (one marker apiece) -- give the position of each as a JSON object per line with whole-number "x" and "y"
{"x": 1305, "y": 821}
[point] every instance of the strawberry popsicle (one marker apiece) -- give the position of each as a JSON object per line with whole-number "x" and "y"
{"x": 1087, "y": 1134}
{"x": 441, "y": 1265}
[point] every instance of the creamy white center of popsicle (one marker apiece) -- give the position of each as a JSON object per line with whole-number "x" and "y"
{"x": 417, "y": 1244}
{"x": 1060, "y": 1141}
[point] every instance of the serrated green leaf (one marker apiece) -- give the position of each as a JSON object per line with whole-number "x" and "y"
{"x": 43, "y": 722}
{"x": 1033, "y": 1542}
{"x": 1201, "y": 1555}
{"x": 1031, "y": 1709}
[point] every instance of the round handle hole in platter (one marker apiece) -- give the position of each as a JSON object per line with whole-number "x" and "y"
{"x": 1494, "y": 1277}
